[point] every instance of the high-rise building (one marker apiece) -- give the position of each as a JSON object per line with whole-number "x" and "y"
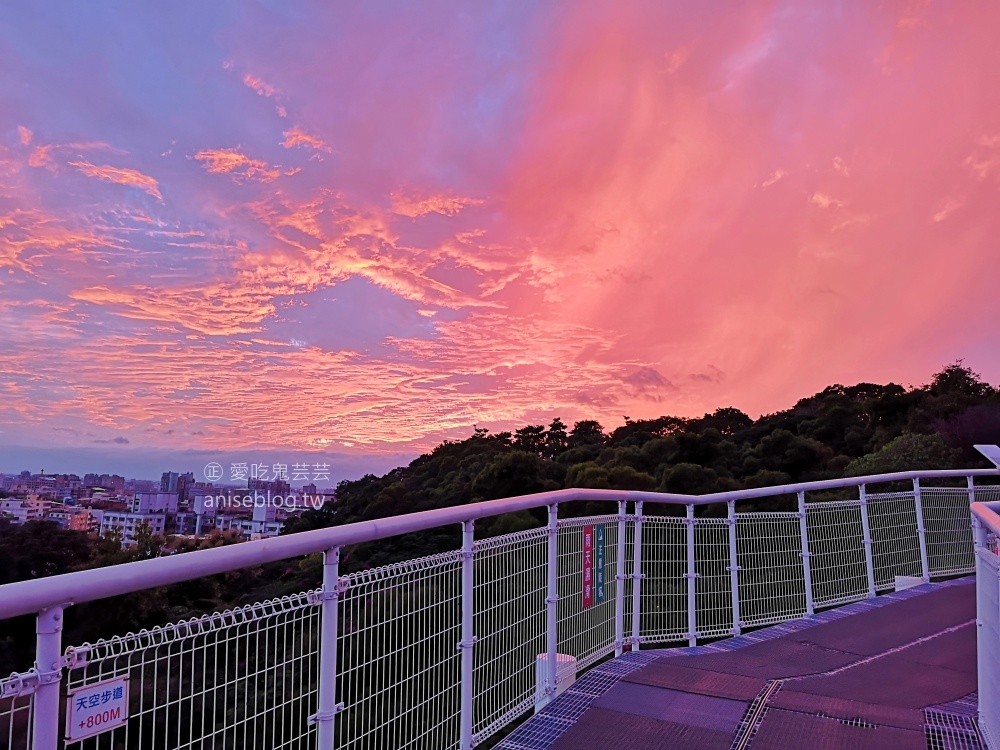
{"x": 168, "y": 482}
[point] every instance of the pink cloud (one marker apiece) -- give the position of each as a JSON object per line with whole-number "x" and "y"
{"x": 238, "y": 165}
{"x": 263, "y": 88}
{"x": 414, "y": 206}
{"x": 298, "y": 137}
{"x": 119, "y": 176}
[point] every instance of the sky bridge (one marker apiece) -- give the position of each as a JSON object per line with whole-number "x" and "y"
{"x": 866, "y": 613}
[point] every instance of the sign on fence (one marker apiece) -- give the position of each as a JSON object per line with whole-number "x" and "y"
{"x": 593, "y": 566}
{"x": 94, "y": 709}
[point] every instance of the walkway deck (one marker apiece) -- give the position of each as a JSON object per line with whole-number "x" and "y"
{"x": 898, "y": 671}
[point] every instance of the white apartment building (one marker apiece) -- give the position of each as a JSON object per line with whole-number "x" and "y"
{"x": 129, "y": 523}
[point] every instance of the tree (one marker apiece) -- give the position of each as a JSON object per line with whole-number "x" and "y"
{"x": 556, "y": 439}
{"x": 530, "y": 439}
{"x": 908, "y": 452}
{"x": 512, "y": 474}
{"x": 585, "y": 433}
{"x": 38, "y": 549}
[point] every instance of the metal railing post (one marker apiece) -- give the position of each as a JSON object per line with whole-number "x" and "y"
{"x": 637, "y": 577}
{"x": 925, "y": 570}
{"x": 45, "y": 724}
{"x": 867, "y": 540}
{"x": 468, "y": 642}
{"x": 970, "y": 482}
{"x": 806, "y": 563}
{"x": 552, "y": 606}
{"x": 692, "y": 633}
{"x": 734, "y": 569}
{"x": 620, "y": 579}
{"x": 987, "y": 621}
{"x": 327, "y": 707}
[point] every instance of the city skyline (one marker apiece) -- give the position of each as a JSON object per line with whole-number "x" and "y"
{"x": 254, "y": 232}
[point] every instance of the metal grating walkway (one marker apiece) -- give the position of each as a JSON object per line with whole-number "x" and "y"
{"x": 898, "y": 671}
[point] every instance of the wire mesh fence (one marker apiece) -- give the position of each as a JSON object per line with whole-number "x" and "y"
{"x": 892, "y": 519}
{"x": 713, "y": 582}
{"x": 245, "y": 677}
{"x": 663, "y": 590}
{"x": 16, "y": 707}
{"x": 948, "y": 530}
{"x": 586, "y": 626}
{"x": 510, "y": 621}
{"x": 837, "y": 551}
{"x": 398, "y": 659}
{"x": 772, "y": 585}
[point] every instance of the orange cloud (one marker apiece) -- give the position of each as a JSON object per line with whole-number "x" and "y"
{"x": 263, "y": 88}
{"x": 31, "y": 232}
{"x": 24, "y": 134}
{"x": 298, "y": 137}
{"x": 414, "y": 207}
{"x": 217, "y": 309}
{"x": 128, "y": 177}
{"x": 239, "y": 166}
{"x": 41, "y": 156}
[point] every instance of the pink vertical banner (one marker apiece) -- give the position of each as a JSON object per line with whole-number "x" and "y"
{"x": 588, "y": 566}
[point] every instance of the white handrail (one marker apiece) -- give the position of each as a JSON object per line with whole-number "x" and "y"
{"x": 31, "y": 597}
{"x": 988, "y": 516}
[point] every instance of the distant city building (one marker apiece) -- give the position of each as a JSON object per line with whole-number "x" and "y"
{"x": 129, "y": 524}
{"x": 155, "y": 502}
{"x": 19, "y": 511}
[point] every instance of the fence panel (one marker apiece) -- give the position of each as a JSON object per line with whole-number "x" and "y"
{"x": 510, "y": 591}
{"x": 837, "y": 552}
{"x": 713, "y": 585}
{"x": 947, "y": 522}
{"x": 243, "y": 678}
{"x": 892, "y": 519}
{"x": 987, "y": 493}
{"x": 588, "y": 633}
{"x": 398, "y": 674}
{"x": 16, "y": 705}
{"x": 663, "y": 608}
{"x": 772, "y": 584}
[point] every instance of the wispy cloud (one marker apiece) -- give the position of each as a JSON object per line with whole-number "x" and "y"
{"x": 298, "y": 137}
{"x": 413, "y": 206}
{"x": 262, "y": 87}
{"x": 237, "y": 165}
{"x": 120, "y": 176}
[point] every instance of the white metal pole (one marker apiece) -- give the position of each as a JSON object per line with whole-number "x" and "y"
{"x": 692, "y": 633}
{"x": 620, "y": 580}
{"x": 867, "y": 540}
{"x": 925, "y": 570}
{"x": 806, "y": 563}
{"x": 328, "y": 707}
{"x": 734, "y": 568}
{"x": 970, "y": 481}
{"x": 986, "y": 628}
{"x": 637, "y": 577}
{"x": 468, "y": 641}
{"x": 552, "y": 606}
{"x": 48, "y": 662}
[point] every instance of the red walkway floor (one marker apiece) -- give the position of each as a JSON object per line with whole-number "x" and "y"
{"x": 865, "y": 678}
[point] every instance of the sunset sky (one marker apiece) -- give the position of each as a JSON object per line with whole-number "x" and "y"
{"x": 353, "y": 230}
